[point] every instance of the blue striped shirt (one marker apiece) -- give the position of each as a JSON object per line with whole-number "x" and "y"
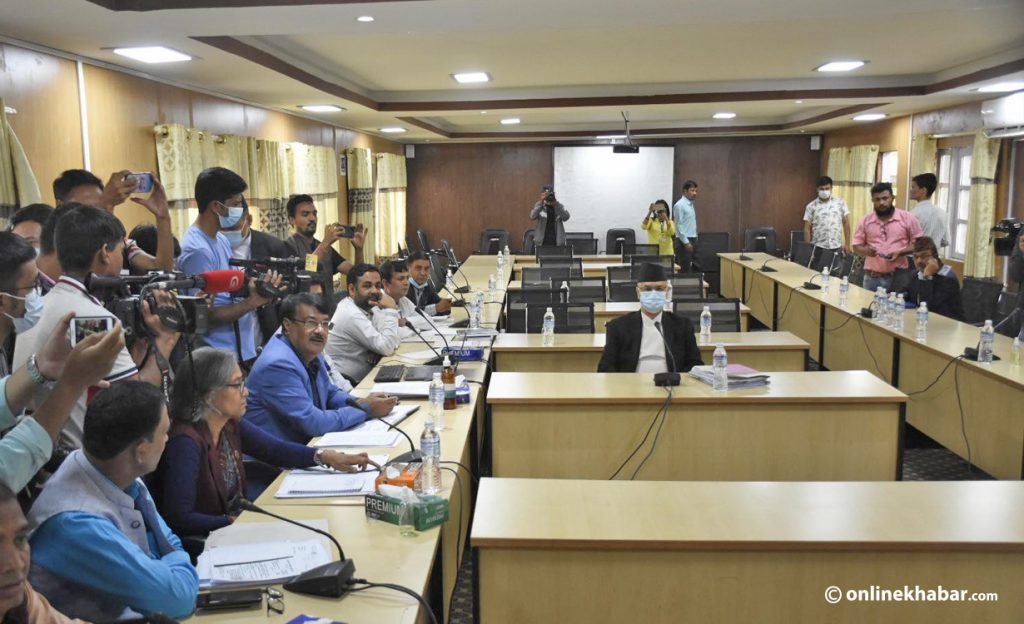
{"x": 686, "y": 220}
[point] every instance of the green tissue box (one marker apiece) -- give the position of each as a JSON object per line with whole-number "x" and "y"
{"x": 429, "y": 512}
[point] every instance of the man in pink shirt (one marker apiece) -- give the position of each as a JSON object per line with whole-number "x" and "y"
{"x": 885, "y": 238}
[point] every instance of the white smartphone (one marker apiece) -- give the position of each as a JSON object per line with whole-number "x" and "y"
{"x": 85, "y": 326}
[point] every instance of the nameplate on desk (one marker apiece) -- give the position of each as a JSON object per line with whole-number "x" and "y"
{"x": 465, "y": 354}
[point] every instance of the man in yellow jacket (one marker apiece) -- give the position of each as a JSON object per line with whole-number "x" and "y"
{"x": 661, "y": 230}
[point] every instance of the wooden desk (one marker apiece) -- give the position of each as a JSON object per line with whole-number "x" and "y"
{"x": 611, "y": 310}
{"x": 804, "y": 426}
{"x": 770, "y": 351}
{"x": 607, "y": 551}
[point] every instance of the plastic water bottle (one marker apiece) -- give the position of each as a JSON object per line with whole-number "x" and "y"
{"x": 501, "y": 275}
{"x": 1015, "y": 353}
{"x": 988, "y": 336}
{"x": 437, "y": 401}
{"x": 492, "y": 287}
{"x": 844, "y": 291}
{"x": 508, "y": 255}
{"x": 922, "y": 321}
{"x": 478, "y": 307}
{"x": 449, "y": 282}
{"x": 890, "y": 312}
{"x": 565, "y": 292}
{"x": 430, "y": 444}
{"x": 897, "y": 319}
{"x": 548, "y": 330}
{"x": 826, "y": 279}
{"x": 720, "y": 362}
{"x": 705, "y": 324}
{"x": 880, "y": 305}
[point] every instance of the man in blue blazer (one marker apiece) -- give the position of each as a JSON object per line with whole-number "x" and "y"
{"x": 290, "y": 391}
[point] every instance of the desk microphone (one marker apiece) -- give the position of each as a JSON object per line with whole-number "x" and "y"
{"x": 971, "y": 353}
{"x": 670, "y": 378}
{"x": 329, "y": 580}
{"x": 810, "y": 285}
{"x": 744, "y": 256}
{"x": 454, "y": 360}
{"x": 434, "y": 362}
{"x": 767, "y": 269}
{"x": 460, "y": 301}
{"x": 414, "y": 455}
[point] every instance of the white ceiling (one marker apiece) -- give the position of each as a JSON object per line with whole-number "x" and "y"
{"x": 553, "y": 49}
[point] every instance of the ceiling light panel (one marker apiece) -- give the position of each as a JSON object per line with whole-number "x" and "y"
{"x": 153, "y": 54}
{"x": 472, "y": 77}
{"x": 840, "y": 66}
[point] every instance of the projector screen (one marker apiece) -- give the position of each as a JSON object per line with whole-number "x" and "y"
{"x": 603, "y": 190}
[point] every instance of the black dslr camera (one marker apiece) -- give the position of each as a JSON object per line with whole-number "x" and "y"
{"x": 1011, "y": 229}
{"x": 294, "y": 279}
{"x": 123, "y": 297}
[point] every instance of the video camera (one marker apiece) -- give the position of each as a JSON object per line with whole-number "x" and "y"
{"x": 294, "y": 279}
{"x": 123, "y": 297}
{"x": 1011, "y": 229}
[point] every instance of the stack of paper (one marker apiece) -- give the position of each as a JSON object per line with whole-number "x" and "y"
{"x": 739, "y": 376}
{"x": 397, "y": 415}
{"x": 251, "y": 553}
{"x": 404, "y": 389}
{"x": 320, "y": 483}
{"x": 359, "y": 438}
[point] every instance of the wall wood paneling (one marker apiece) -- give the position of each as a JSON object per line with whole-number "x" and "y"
{"x": 456, "y": 190}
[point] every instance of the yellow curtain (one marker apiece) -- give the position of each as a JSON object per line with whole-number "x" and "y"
{"x": 922, "y": 158}
{"x": 360, "y": 195}
{"x": 18, "y": 186}
{"x": 390, "y": 197}
{"x": 979, "y": 260}
{"x": 852, "y": 170}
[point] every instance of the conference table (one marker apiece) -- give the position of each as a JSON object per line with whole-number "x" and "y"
{"x": 830, "y": 426}
{"x": 607, "y": 311}
{"x": 557, "y": 551}
{"x": 763, "y": 351}
{"x": 973, "y": 409}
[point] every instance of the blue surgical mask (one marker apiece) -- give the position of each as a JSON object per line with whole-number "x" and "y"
{"x": 415, "y": 284}
{"x": 234, "y": 215}
{"x": 653, "y": 300}
{"x": 235, "y": 238}
{"x": 33, "y": 310}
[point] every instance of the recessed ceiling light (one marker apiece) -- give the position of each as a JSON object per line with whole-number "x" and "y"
{"x": 153, "y": 54}
{"x": 392, "y": 130}
{"x": 321, "y": 108}
{"x": 510, "y": 121}
{"x": 483, "y": 112}
{"x": 798, "y": 102}
{"x": 1001, "y": 87}
{"x": 366, "y": 19}
{"x": 610, "y": 136}
{"x": 840, "y": 66}
{"x": 870, "y": 117}
{"x": 471, "y": 77}
{"x": 723, "y": 115}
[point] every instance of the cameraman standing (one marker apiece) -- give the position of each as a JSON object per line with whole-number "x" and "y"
{"x": 204, "y": 248}
{"x": 549, "y": 215}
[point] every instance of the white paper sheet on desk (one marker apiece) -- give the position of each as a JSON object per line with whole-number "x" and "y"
{"x": 238, "y": 542}
{"x": 397, "y": 415}
{"x": 359, "y": 438}
{"x": 311, "y": 484}
{"x": 404, "y": 389}
{"x": 417, "y": 356}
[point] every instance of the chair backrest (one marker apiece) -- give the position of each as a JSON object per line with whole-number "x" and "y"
{"x": 542, "y": 276}
{"x": 617, "y": 274}
{"x": 424, "y": 242}
{"x": 615, "y": 238}
{"x": 758, "y": 238}
{"x": 709, "y": 245}
{"x": 493, "y": 241}
{"x": 582, "y": 246}
{"x": 438, "y": 271}
{"x": 544, "y": 251}
{"x": 583, "y": 289}
{"x": 529, "y": 242}
{"x": 570, "y": 318}
{"x": 687, "y": 286}
{"x": 979, "y": 298}
{"x": 725, "y": 313}
{"x": 826, "y": 260}
{"x": 578, "y": 235}
{"x": 531, "y": 295}
{"x": 802, "y": 252}
{"x": 402, "y": 253}
{"x": 635, "y": 262}
{"x": 574, "y": 264}
{"x": 622, "y": 291}
{"x": 846, "y": 267}
{"x": 638, "y": 249}
{"x": 795, "y": 236}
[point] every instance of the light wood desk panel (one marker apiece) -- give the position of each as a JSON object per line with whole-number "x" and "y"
{"x": 596, "y": 551}
{"x": 821, "y": 426}
{"x": 768, "y": 351}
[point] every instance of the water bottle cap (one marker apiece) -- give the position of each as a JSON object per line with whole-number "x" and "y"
{"x": 549, "y": 310}
{"x": 707, "y": 308}
{"x": 447, "y": 362}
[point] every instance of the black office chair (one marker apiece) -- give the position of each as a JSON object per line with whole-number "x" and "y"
{"x": 615, "y": 238}
{"x": 826, "y": 260}
{"x": 759, "y": 238}
{"x": 449, "y": 252}
{"x": 578, "y": 236}
{"x": 570, "y": 318}
{"x": 622, "y": 292}
{"x": 545, "y": 251}
{"x": 795, "y": 236}
{"x": 575, "y": 265}
{"x": 980, "y": 297}
{"x": 517, "y": 302}
{"x": 802, "y": 253}
{"x": 493, "y": 241}
{"x": 402, "y": 253}
{"x": 687, "y": 286}
{"x": 638, "y": 249}
{"x": 438, "y": 271}
{"x": 637, "y": 261}
{"x": 582, "y": 246}
{"x": 424, "y": 242}
{"x": 709, "y": 245}
{"x": 620, "y": 273}
{"x": 583, "y": 289}
{"x": 846, "y": 266}
{"x": 725, "y": 313}
{"x": 529, "y": 242}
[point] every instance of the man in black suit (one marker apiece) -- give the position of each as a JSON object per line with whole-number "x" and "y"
{"x": 633, "y": 342}
{"x": 246, "y": 244}
{"x": 421, "y": 291}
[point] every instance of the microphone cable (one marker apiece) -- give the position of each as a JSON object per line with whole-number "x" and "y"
{"x": 399, "y": 588}
{"x": 642, "y": 442}
{"x": 657, "y": 434}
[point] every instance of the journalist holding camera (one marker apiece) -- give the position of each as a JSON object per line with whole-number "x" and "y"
{"x": 549, "y": 215}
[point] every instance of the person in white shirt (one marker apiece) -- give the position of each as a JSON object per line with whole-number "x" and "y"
{"x": 365, "y": 324}
{"x": 827, "y": 220}
{"x": 931, "y": 217}
{"x": 394, "y": 275}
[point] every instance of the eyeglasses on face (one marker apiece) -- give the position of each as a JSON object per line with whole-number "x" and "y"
{"x": 312, "y": 324}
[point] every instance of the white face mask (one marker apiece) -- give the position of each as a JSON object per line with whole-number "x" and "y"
{"x": 33, "y": 310}
{"x": 824, "y": 195}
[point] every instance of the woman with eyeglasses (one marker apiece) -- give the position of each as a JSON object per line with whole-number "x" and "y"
{"x": 201, "y": 479}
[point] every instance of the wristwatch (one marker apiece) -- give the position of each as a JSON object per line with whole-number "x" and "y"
{"x": 318, "y": 457}
{"x": 34, "y": 372}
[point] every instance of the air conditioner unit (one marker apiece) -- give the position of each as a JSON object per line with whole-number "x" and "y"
{"x": 1003, "y": 118}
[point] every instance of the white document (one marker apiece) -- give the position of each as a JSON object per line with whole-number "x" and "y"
{"x": 397, "y": 415}
{"x": 418, "y": 356}
{"x": 261, "y": 552}
{"x": 309, "y": 484}
{"x": 358, "y": 438}
{"x": 404, "y": 389}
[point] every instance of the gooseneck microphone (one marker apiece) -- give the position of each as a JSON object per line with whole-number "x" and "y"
{"x": 329, "y": 580}
{"x": 439, "y": 359}
{"x": 434, "y": 362}
{"x": 414, "y": 455}
{"x": 767, "y": 269}
{"x": 670, "y": 378}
